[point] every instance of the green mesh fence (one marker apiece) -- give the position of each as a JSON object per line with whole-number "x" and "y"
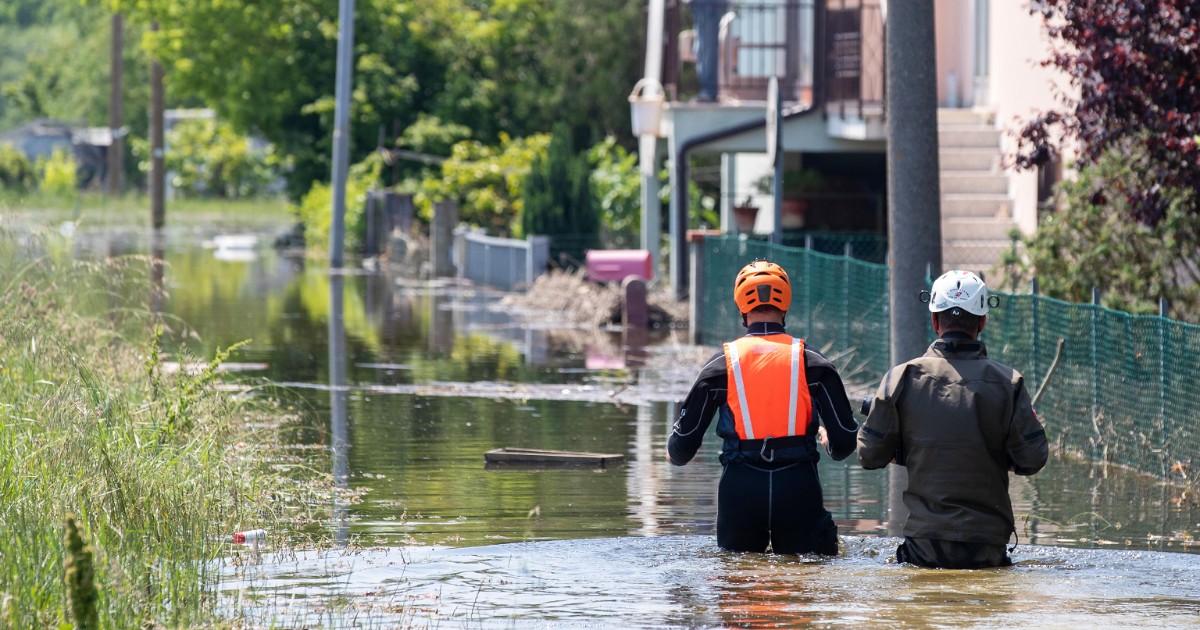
{"x": 1124, "y": 390}
{"x": 839, "y": 304}
{"x": 1124, "y": 383}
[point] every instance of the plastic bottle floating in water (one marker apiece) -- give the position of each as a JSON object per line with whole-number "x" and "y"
{"x": 249, "y": 537}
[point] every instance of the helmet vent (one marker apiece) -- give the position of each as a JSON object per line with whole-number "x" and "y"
{"x": 764, "y": 293}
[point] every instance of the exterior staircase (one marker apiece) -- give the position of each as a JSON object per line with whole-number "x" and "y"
{"x": 976, "y": 208}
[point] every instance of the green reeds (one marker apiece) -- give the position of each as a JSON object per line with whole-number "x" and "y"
{"x": 157, "y": 473}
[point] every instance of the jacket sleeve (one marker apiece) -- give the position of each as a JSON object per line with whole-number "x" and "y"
{"x": 1026, "y": 441}
{"x": 702, "y": 403}
{"x": 879, "y": 439}
{"x": 829, "y": 400}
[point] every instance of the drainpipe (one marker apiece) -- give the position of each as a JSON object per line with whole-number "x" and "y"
{"x": 679, "y": 199}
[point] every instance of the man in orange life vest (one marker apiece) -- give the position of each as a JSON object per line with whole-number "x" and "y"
{"x": 764, "y": 388}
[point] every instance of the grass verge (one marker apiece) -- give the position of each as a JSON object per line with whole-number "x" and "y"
{"x": 156, "y": 468}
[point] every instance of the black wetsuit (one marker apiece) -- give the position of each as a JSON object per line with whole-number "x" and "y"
{"x": 769, "y": 494}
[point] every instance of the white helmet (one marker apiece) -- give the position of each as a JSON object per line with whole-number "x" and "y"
{"x": 959, "y": 289}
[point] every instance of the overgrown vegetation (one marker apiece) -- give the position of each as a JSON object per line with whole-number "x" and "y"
{"x": 156, "y": 466}
{"x": 1090, "y": 241}
{"x": 1130, "y": 225}
{"x": 558, "y": 200}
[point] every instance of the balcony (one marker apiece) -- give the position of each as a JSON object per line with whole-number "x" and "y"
{"x": 828, "y": 54}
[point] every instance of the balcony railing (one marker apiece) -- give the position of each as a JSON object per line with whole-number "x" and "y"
{"x": 854, "y": 58}
{"x": 825, "y": 52}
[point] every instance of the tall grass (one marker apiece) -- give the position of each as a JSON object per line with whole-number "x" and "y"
{"x": 156, "y": 467}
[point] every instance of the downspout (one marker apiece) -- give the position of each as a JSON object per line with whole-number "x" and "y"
{"x": 679, "y": 239}
{"x": 679, "y": 162}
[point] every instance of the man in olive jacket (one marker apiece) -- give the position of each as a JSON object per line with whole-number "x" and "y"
{"x": 959, "y": 422}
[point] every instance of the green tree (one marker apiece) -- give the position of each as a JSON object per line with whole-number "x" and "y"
{"x": 559, "y": 202}
{"x": 513, "y": 66}
{"x": 617, "y": 182}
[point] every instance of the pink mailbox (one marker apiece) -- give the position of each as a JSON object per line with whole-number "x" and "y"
{"x": 614, "y": 265}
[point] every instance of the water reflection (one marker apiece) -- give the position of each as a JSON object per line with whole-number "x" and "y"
{"x": 337, "y": 407}
{"x": 408, "y": 384}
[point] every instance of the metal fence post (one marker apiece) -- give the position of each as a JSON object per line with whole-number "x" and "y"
{"x": 808, "y": 281}
{"x": 1033, "y": 317}
{"x": 1164, "y": 456}
{"x": 847, "y": 253}
{"x": 1095, "y": 350}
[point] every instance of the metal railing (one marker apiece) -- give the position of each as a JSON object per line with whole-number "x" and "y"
{"x": 854, "y": 58}
{"x": 503, "y": 263}
{"x": 827, "y": 52}
{"x": 755, "y": 41}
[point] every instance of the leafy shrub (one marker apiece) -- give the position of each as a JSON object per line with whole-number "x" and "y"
{"x": 207, "y": 158}
{"x": 1093, "y": 241}
{"x": 485, "y": 181}
{"x": 315, "y": 210}
{"x": 58, "y": 174}
{"x": 16, "y": 172}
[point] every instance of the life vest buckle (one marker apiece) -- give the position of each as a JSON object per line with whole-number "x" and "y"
{"x": 763, "y": 451}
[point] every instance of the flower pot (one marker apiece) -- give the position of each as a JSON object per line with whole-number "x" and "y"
{"x": 744, "y": 217}
{"x": 793, "y": 213}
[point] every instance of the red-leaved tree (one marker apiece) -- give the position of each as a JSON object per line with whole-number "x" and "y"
{"x": 1136, "y": 67}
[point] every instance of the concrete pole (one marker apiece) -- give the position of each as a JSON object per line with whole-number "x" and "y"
{"x": 158, "y": 176}
{"x": 116, "y": 151}
{"x": 914, "y": 199}
{"x": 341, "y": 130}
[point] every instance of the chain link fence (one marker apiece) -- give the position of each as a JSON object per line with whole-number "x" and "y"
{"x": 1123, "y": 391}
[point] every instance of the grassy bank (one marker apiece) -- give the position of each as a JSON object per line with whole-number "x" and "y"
{"x": 133, "y": 209}
{"x": 157, "y": 467}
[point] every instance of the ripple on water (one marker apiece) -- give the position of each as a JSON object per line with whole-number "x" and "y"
{"x": 686, "y": 581}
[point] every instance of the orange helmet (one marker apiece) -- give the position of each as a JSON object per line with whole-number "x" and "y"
{"x": 762, "y": 283}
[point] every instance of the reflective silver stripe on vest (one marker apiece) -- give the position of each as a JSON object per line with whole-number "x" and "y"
{"x": 747, "y": 427}
{"x": 795, "y": 388}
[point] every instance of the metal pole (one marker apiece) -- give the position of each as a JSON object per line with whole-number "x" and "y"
{"x": 914, "y": 218}
{"x": 1095, "y": 350}
{"x": 158, "y": 176}
{"x": 1033, "y": 311}
{"x": 341, "y": 130}
{"x": 1164, "y": 385}
{"x": 116, "y": 150}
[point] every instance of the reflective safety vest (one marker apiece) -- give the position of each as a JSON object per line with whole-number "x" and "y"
{"x": 768, "y": 391}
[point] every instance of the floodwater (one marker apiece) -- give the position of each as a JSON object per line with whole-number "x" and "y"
{"x": 403, "y": 385}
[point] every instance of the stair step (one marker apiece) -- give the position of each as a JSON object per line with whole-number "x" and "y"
{"x": 976, "y": 228}
{"x": 980, "y": 256}
{"x": 959, "y": 182}
{"x": 968, "y": 137}
{"x": 962, "y": 116}
{"x": 995, "y": 206}
{"x": 970, "y": 159}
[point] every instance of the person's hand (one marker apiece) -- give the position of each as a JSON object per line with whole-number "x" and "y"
{"x": 823, "y": 437}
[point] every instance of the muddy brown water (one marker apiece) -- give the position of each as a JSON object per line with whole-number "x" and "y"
{"x": 403, "y": 385}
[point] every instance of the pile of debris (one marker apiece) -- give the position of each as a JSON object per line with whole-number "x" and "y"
{"x": 568, "y": 296}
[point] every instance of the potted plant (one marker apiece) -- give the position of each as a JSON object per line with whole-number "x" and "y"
{"x": 744, "y": 215}
{"x": 796, "y": 184}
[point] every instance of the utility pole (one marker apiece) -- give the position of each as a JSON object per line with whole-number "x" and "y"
{"x": 158, "y": 178}
{"x": 914, "y": 198}
{"x": 341, "y": 130}
{"x": 116, "y": 150}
